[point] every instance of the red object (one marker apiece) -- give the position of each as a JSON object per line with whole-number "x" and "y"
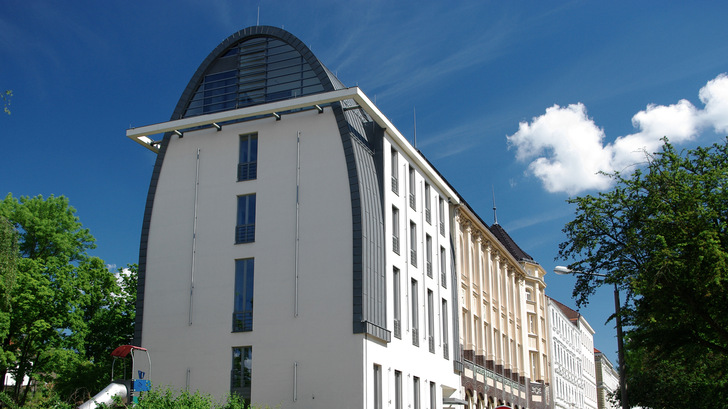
{"x": 124, "y": 350}
{"x": 503, "y": 407}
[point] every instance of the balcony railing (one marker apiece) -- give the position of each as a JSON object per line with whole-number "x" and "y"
{"x": 242, "y": 321}
{"x": 429, "y": 269}
{"x": 395, "y": 185}
{"x": 412, "y": 201}
{"x": 245, "y": 233}
{"x": 415, "y": 337}
{"x": 395, "y": 244}
{"x": 398, "y": 329}
{"x": 413, "y": 257}
{"x": 431, "y": 343}
{"x": 247, "y": 171}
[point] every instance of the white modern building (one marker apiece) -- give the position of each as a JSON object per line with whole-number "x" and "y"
{"x": 296, "y": 249}
{"x": 573, "y": 373}
{"x": 607, "y": 381}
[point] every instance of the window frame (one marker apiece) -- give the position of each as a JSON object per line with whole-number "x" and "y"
{"x": 248, "y": 157}
{"x": 415, "y": 313}
{"x": 245, "y": 226}
{"x": 397, "y": 301}
{"x": 244, "y": 284}
{"x": 245, "y": 354}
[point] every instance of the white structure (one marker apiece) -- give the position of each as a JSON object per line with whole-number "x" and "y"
{"x": 607, "y": 381}
{"x": 573, "y": 376}
{"x": 276, "y": 184}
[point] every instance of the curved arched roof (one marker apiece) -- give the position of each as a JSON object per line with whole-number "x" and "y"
{"x": 263, "y": 64}
{"x": 253, "y": 66}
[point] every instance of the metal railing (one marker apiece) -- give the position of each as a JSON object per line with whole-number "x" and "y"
{"x": 242, "y": 321}
{"x": 245, "y": 233}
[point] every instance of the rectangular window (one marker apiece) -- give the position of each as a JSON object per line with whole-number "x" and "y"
{"x": 397, "y": 390}
{"x": 428, "y": 211}
{"x": 241, "y": 373}
{"x": 248, "y": 162}
{"x": 412, "y": 193}
{"x": 243, "y": 313}
{"x": 415, "y": 315}
{"x": 445, "y": 338}
{"x": 395, "y": 172}
{"x": 416, "y": 393}
{"x": 443, "y": 267}
{"x": 413, "y": 244}
{"x": 430, "y": 321}
{"x": 377, "y": 387}
{"x": 442, "y": 216}
{"x": 245, "y": 229}
{"x": 397, "y": 289}
{"x": 395, "y": 229}
{"x": 433, "y": 396}
{"x": 428, "y": 253}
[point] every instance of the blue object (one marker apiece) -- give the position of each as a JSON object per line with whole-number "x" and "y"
{"x": 141, "y": 385}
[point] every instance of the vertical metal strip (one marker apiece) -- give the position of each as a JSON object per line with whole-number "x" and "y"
{"x": 194, "y": 236}
{"x": 295, "y": 381}
{"x": 298, "y": 183}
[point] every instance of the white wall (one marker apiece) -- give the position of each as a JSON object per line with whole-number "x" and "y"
{"x": 320, "y": 339}
{"x": 401, "y": 354}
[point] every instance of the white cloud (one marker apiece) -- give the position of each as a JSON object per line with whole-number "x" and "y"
{"x": 566, "y": 148}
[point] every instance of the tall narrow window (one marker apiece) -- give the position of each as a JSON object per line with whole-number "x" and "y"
{"x": 412, "y": 192}
{"x": 413, "y": 244}
{"x": 395, "y": 229}
{"x": 397, "y": 289}
{"x": 416, "y": 392}
{"x": 245, "y": 229}
{"x": 443, "y": 267}
{"x": 428, "y": 211}
{"x": 248, "y": 162}
{"x": 241, "y": 373}
{"x": 442, "y": 216}
{"x": 243, "y": 313}
{"x": 428, "y": 253}
{"x": 445, "y": 338}
{"x": 430, "y": 321}
{"x": 415, "y": 314}
{"x": 433, "y": 396}
{"x": 395, "y": 172}
{"x": 397, "y": 390}
{"x": 377, "y": 387}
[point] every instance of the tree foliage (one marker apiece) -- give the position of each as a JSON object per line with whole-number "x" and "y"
{"x": 5, "y": 96}
{"x": 661, "y": 235}
{"x": 66, "y": 309}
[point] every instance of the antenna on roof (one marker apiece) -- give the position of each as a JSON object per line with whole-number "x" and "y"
{"x": 495, "y": 215}
{"x": 257, "y": 21}
{"x": 414, "y": 111}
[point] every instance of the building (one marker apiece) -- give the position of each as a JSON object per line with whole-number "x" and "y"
{"x": 572, "y": 367}
{"x": 296, "y": 248}
{"x": 607, "y": 381}
{"x": 502, "y": 328}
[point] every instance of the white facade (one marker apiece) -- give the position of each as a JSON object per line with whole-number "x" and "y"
{"x": 607, "y": 381}
{"x": 309, "y": 237}
{"x": 573, "y": 376}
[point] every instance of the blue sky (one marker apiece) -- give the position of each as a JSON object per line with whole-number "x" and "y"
{"x": 524, "y": 99}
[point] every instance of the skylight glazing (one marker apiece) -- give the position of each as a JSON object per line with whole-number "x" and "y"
{"x": 255, "y": 71}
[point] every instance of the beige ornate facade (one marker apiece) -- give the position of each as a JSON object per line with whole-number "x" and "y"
{"x": 503, "y": 311}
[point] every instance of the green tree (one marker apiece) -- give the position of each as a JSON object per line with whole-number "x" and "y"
{"x": 5, "y": 96}
{"x": 661, "y": 235}
{"x": 8, "y": 272}
{"x": 67, "y": 310}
